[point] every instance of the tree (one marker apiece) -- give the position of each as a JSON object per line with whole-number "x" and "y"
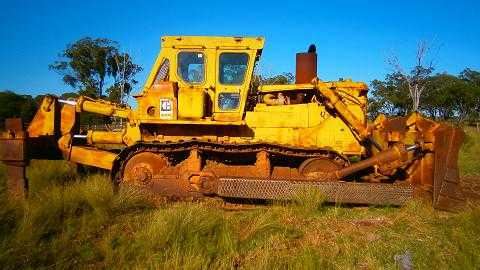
{"x": 389, "y": 96}
{"x": 417, "y": 78}
{"x": 284, "y": 78}
{"x": 441, "y": 99}
{"x": 472, "y": 77}
{"x": 124, "y": 78}
{"x": 465, "y": 101}
{"x": 14, "y": 105}
{"x": 69, "y": 95}
{"x": 88, "y": 64}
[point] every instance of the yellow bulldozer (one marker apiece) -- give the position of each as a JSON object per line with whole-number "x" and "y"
{"x": 201, "y": 127}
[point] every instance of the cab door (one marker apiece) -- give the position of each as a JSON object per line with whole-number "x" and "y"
{"x": 193, "y": 72}
{"x": 234, "y": 69}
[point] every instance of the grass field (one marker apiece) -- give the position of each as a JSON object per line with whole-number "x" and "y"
{"x": 78, "y": 222}
{"x": 469, "y": 159}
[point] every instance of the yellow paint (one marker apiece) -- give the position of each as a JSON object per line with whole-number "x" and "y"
{"x": 191, "y": 103}
{"x": 104, "y": 137}
{"x": 43, "y": 123}
{"x": 210, "y": 48}
{"x": 92, "y": 157}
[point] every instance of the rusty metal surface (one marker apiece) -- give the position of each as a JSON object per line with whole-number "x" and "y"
{"x": 12, "y": 141}
{"x": 214, "y": 149}
{"x": 447, "y": 192}
{"x": 306, "y": 68}
{"x": 13, "y": 154}
{"x": 266, "y": 188}
{"x": 388, "y": 157}
{"x": 436, "y": 170}
{"x": 173, "y": 188}
{"x": 152, "y": 172}
{"x": 12, "y": 149}
{"x": 141, "y": 168}
{"x": 318, "y": 165}
{"x": 283, "y": 188}
{"x": 340, "y": 192}
{"x": 189, "y": 173}
{"x": 237, "y": 148}
{"x": 174, "y": 148}
{"x": 13, "y": 124}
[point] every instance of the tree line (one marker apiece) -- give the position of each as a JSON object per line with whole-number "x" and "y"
{"x": 445, "y": 96}
{"x": 99, "y": 69}
{"x": 441, "y": 96}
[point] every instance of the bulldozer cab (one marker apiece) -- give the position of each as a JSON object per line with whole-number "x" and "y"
{"x": 200, "y": 79}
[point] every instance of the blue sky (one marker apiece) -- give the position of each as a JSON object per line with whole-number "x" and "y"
{"x": 353, "y": 38}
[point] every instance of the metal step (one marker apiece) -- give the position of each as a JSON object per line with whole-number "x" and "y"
{"x": 339, "y": 192}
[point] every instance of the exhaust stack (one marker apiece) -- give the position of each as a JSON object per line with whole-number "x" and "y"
{"x": 306, "y": 65}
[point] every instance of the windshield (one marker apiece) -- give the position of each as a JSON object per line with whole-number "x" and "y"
{"x": 233, "y": 67}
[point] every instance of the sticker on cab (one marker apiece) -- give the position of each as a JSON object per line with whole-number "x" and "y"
{"x": 166, "y": 109}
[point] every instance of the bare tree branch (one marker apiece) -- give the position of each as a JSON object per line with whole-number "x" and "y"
{"x": 417, "y": 78}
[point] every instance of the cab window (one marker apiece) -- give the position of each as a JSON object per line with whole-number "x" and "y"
{"x": 233, "y": 67}
{"x": 191, "y": 67}
{"x": 162, "y": 74}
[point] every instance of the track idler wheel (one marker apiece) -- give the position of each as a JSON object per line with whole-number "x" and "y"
{"x": 142, "y": 167}
{"x": 153, "y": 173}
{"x": 316, "y": 168}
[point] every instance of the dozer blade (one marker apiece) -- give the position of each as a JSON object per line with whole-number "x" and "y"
{"x": 338, "y": 192}
{"x": 447, "y": 190}
{"x": 438, "y": 172}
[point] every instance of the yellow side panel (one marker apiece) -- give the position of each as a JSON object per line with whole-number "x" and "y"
{"x": 335, "y": 134}
{"x": 277, "y": 135}
{"x": 191, "y": 103}
{"x": 294, "y": 116}
{"x": 278, "y": 119}
{"x": 316, "y": 114}
{"x": 303, "y": 125}
{"x": 278, "y": 116}
{"x": 150, "y": 102}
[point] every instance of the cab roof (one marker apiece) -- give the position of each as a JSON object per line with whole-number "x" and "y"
{"x": 212, "y": 42}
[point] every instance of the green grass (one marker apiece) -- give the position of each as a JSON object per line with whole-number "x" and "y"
{"x": 469, "y": 158}
{"x": 72, "y": 221}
